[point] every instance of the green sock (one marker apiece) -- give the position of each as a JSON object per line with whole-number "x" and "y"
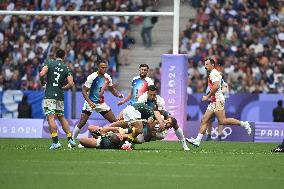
{"x": 55, "y": 139}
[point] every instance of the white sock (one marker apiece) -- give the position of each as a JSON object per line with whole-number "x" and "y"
{"x": 180, "y": 136}
{"x": 199, "y": 137}
{"x": 76, "y": 132}
{"x": 243, "y": 124}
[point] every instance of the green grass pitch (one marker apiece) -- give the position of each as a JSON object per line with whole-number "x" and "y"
{"x": 28, "y": 163}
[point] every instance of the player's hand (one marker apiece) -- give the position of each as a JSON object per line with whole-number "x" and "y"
{"x": 120, "y": 103}
{"x": 120, "y": 96}
{"x": 42, "y": 83}
{"x": 204, "y": 98}
{"x": 92, "y": 105}
{"x": 121, "y": 131}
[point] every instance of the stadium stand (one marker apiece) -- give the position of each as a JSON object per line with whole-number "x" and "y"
{"x": 26, "y": 41}
{"x": 246, "y": 38}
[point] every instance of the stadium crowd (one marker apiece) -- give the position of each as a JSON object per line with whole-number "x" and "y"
{"x": 247, "y": 39}
{"x": 26, "y": 41}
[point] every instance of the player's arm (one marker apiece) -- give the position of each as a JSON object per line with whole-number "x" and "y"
{"x": 42, "y": 75}
{"x": 85, "y": 92}
{"x": 142, "y": 98}
{"x": 160, "y": 120}
{"x": 115, "y": 92}
{"x": 125, "y": 99}
{"x": 215, "y": 87}
{"x": 70, "y": 83}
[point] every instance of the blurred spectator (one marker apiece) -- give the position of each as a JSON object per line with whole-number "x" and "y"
{"x": 245, "y": 37}
{"x": 26, "y": 41}
{"x": 278, "y": 112}
{"x": 146, "y": 32}
{"x": 24, "y": 108}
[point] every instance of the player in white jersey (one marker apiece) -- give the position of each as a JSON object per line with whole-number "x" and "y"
{"x": 219, "y": 134}
{"x": 216, "y": 106}
{"x": 139, "y": 85}
{"x": 93, "y": 92}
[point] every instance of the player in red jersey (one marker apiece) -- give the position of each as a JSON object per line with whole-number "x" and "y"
{"x": 217, "y": 104}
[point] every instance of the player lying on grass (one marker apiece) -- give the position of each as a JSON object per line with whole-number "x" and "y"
{"x": 104, "y": 138}
{"x": 155, "y": 101}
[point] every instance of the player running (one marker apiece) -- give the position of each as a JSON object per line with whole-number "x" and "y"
{"x": 56, "y": 72}
{"x": 216, "y": 106}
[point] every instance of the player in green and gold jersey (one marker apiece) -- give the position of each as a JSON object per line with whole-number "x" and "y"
{"x": 56, "y": 74}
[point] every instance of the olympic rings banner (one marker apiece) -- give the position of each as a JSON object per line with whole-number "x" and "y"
{"x": 230, "y": 133}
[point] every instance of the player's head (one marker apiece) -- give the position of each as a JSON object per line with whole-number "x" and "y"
{"x": 152, "y": 92}
{"x": 280, "y": 103}
{"x": 115, "y": 140}
{"x": 143, "y": 70}
{"x": 60, "y": 53}
{"x": 209, "y": 64}
{"x": 102, "y": 67}
{"x": 170, "y": 122}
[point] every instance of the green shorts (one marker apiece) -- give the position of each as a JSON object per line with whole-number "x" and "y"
{"x": 53, "y": 107}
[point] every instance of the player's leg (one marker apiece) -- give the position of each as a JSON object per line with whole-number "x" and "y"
{"x": 83, "y": 120}
{"x": 220, "y": 131}
{"x": 89, "y": 142}
{"x": 66, "y": 128}
{"x": 204, "y": 122}
{"x": 180, "y": 136}
{"x": 49, "y": 109}
{"x": 64, "y": 123}
{"x": 119, "y": 123}
{"x": 106, "y": 112}
{"x": 108, "y": 115}
{"x": 209, "y": 129}
{"x": 53, "y": 131}
{"x": 222, "y": 120}
{"x": 86, "y": 112}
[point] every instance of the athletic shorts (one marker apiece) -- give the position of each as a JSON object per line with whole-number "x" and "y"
{"x": 130, "y": 114}
{"x": 102, "y": 107}
{"x": 216, "y": 106}
{"x": 53, "y": 107}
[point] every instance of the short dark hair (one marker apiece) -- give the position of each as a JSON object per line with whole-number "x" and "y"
{"x": 174, "y": 121}
{"x": 144, "y": 65}
{"x": 152, "y": 88}
{"x": 60, "y": 53}
{"x": 280, "y": 102}
{"x": 101, "y": 62}
{"x": 116, "y": 142}
{"x": 212, "y": 61}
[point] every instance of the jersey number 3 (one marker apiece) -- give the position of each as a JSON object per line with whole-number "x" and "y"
{"x": 55, "y": 84}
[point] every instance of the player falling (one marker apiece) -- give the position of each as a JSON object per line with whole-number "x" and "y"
{"x": 216, "y": 106}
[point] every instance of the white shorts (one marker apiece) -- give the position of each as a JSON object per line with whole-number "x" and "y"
{"x": 130, "y": 114}
{"x": 99, "y": 107}
{"x": 216, "y": 106}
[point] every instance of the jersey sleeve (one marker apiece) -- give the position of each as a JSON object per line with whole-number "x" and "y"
{"x": 90, "y": 80}
{"x": 149, "y": 81}
{"x": 110, "y": 80}
{"x": 161, "y": 103}
{"x": 46, "y": 63}
{"x": 215, "y": 76}
{"x": 142, "y": 98}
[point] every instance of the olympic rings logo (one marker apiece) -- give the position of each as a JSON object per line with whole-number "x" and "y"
{"x": 227, "y": 131}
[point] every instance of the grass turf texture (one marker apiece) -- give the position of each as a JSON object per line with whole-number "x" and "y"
{"x": 28, "y": 163}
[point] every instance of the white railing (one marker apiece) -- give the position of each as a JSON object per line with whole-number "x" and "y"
{"x": 175, "y": 14}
